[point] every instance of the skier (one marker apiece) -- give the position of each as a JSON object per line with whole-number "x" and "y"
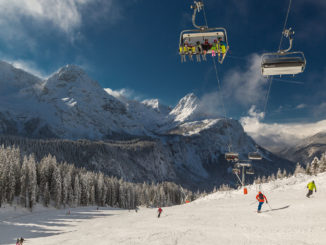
{"x": 183, "y": 50}
{"x": 159, "y": 212}
{"x": 260, "y": 198}
{"x": 311, "y": 186}
{"x": 198, "y": 51}
{"x": 222, "y": 48}
{"x": 206, "y": 46}
{"x": 214, "y": 48}
{"x": 20, "y": 241}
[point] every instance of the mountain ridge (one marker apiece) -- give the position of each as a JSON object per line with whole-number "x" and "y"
{"x": 187, "y": 144}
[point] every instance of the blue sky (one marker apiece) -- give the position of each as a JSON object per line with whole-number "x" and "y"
{"x": 132, "y": 45}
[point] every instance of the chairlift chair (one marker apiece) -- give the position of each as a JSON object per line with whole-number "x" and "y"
{"x": 236, "y": 171}
{"x": 283, "y": 62}
{"x": 202, "y": 33}
{"x": 232, "y": 156}
{"x": 250, "y": 171}
{"x": 277, "y": 64}
{"x": 254, "y": 156}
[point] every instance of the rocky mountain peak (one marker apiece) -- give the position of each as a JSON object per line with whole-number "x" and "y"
{"x": 12, "y": 78}
{"x": 187, "y": 109}
{"x": 157, "y": 106}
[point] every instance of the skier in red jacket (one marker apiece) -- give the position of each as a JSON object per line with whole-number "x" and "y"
{"x": 159, "y": 212}
{"x": 261, "y": 199}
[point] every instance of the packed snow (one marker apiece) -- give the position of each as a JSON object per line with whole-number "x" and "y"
{"x": 221, "y": 218}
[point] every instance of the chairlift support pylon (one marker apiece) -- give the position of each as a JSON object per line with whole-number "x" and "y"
{"x": 242, "y": 165}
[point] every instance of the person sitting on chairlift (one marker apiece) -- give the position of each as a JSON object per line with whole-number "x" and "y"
{"x": 222, "y": 48}
{"x": 198, "y": 49}
{"x": 214, "y": 48}
{"x": 190, "y": 50}
{"x": 182, "y": 51}
{"x": 206, "y": 46}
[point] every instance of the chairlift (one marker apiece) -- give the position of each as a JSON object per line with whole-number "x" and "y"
{"x": 283, "y": 62}
{"x": 236, "y": 171}
{"x": 232, "y": 156}
{"x": 200, "y": 41}
{"x": 250, "y": 171}
{"x": 254, "y": 156}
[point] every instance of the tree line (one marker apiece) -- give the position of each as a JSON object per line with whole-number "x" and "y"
{"x": 26, "y": 181}
{"x": 315, "y": 167}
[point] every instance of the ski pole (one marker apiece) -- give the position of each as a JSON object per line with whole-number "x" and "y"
{"x": 269, "y": 206}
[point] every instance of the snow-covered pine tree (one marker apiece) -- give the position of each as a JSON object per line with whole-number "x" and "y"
{"x": 258, "y": 180}
{"x": 32, "y": 182}
{"x": 56, "y": 186}
{"x": 99, "y": 187}
{"x": 308, "y": 169}
{"x": 24, "y": 183}
{"x": 77, "y": 191}
{"x": 322, "y": 163}
{"x": 7, "y": 177}
{"x": 314, "y": 166}
{"x": 66, "y": 173}
{"x": 298, "y": 169}
{"x": 284, "y": 174}
{"x": 279, "y": 174}
{"x": 46, "y": 195}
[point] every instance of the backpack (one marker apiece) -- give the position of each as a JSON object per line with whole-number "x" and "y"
{"x": 261, "y": 196}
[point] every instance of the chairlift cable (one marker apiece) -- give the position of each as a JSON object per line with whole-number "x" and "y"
{"x": 285, "y": 22}
{"x": 223, "y": 105}
{"x": 220, "y": 89}
{"x": 284, "y": 27}
{"x": 267, "y": 95}
{"x": 204, "y": 13}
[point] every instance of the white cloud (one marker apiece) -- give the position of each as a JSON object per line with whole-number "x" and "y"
{"x": 65, "y": 14}
{"x": 27, "y": 66}
{"x": 211, "y": 104}
{"x": 124, "y": 94}
{"x": 320, "y": 110}
{"x": 247, "y": 87}
{"x": 301, "y": 106}
{"x": 18, "y": 17}
{"x": 276, "y": 135}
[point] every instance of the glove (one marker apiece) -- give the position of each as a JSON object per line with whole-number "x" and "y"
{"x": 315, "y": 190}
{"x": 266, "y": 201}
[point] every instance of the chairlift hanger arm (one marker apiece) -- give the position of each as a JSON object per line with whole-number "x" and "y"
{"x": 197, "y": 7}
{"x": 288, "y": 33}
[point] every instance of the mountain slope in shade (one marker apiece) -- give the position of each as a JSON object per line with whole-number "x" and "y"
{"x": 309, "y": 148}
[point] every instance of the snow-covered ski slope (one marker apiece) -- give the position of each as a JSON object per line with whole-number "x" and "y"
{"x": 220, "y": 218}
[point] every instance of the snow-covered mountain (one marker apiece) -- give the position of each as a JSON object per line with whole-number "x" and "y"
{"x": 183, "y": 144}
{"x": 305, "y": 151}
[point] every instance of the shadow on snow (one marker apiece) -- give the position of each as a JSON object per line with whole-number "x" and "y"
{"x": 275, "y": 209}
{"x": 42, "y": 224}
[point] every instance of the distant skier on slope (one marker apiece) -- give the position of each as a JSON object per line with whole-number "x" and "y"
{"x": 159, "y": 212}
{"x": 261, "y": 199}
{"x": 20, "y": 241}
{"x": 311, "y": 186}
